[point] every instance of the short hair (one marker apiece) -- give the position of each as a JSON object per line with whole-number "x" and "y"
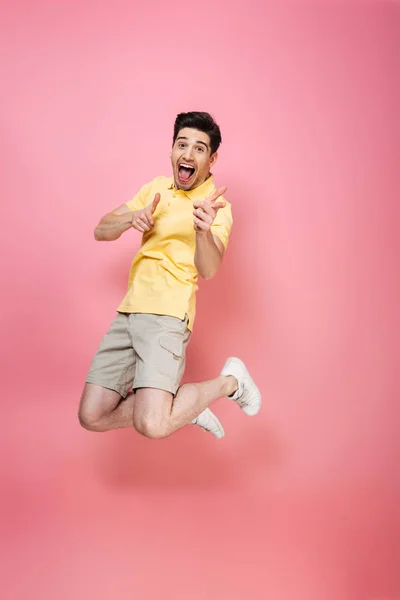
{"x": 201, "y": 121}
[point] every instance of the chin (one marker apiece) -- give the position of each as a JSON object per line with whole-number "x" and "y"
{"x": 186, "y": 186}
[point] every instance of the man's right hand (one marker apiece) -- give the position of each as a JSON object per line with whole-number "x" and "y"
{"x": 143, "y": 220}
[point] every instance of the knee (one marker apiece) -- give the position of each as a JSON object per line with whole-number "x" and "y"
{"x": 150, "y": 428}
{"x": 88, "y": 416}
{"x": 88, "y": 420}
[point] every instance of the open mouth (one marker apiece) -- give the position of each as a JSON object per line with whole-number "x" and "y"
{"x": 185, "y": 172}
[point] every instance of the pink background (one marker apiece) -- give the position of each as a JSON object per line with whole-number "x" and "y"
{"x": 300, "y": 503}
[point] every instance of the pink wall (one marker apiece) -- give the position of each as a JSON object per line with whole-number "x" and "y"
{"x": 300, "y": 503}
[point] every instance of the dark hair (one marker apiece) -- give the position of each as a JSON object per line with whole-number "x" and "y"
{"x": 201, "y": 121}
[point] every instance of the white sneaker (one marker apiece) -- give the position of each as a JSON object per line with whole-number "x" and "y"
{"x": 209, "y": 422}
{"x": 247, "y": 395}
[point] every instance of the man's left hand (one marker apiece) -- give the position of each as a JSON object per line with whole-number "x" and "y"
{"x": 205, "y": 211}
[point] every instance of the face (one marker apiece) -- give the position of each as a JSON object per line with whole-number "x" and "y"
{"x": 191, "y": 158}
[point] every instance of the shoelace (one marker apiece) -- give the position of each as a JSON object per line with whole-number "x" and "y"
{"x": 250, "y": 397}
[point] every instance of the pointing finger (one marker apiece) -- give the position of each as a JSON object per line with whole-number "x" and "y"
{"x": 217, "y": 193}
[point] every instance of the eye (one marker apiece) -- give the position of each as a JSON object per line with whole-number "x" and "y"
{"x": 181, "y": 145}
{"x": 200, "y": 149}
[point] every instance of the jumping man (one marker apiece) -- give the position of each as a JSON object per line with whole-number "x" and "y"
{"x": 185, "y": 224}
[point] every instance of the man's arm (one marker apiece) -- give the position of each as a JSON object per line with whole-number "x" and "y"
{"x": 209, "y": 248}
{"x": 114, "y": 224}
{"x": 208, "y": 254}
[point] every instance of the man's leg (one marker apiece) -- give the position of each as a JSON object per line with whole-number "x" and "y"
{"x": 105, "y": 402}
{"x": 156, "y": 414}
{"x": 110, "y": 376}
{"x": 102, "y": 409}
{"x": 160, "y": 343}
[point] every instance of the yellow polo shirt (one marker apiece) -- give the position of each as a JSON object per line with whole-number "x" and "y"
{"x": 163, "y": 277}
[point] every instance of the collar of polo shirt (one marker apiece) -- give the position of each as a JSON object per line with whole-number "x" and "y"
{"x": 201, "y": 192}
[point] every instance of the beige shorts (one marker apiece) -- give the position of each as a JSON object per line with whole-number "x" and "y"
{"x": 139, "y": 351}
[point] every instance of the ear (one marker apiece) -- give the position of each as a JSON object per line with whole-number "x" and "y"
{"x": 213, "y": 159}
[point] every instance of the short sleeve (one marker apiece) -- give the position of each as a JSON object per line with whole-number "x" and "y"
{"x": 223, "y": 224}
{"x": 141, "y": 199}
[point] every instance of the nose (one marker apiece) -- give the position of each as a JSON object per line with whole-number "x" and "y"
{"x": 188, "y": 154}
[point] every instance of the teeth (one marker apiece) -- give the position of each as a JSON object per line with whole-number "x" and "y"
{"x": 187, "y": 166}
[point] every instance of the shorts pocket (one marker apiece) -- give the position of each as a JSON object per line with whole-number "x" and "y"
{"x": 172, "y": 345}
{"x": 170, "y": 356}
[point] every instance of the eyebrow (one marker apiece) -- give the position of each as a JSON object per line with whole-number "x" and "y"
{"x": 181, "y": 137}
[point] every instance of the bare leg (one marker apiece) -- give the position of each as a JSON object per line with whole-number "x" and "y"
{"x": 156, "y": 414}
{"x": 193, "y": 398}
{"x": 102, "y": 409}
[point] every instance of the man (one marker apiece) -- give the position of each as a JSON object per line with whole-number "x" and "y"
{"x": 185, "y": 225}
